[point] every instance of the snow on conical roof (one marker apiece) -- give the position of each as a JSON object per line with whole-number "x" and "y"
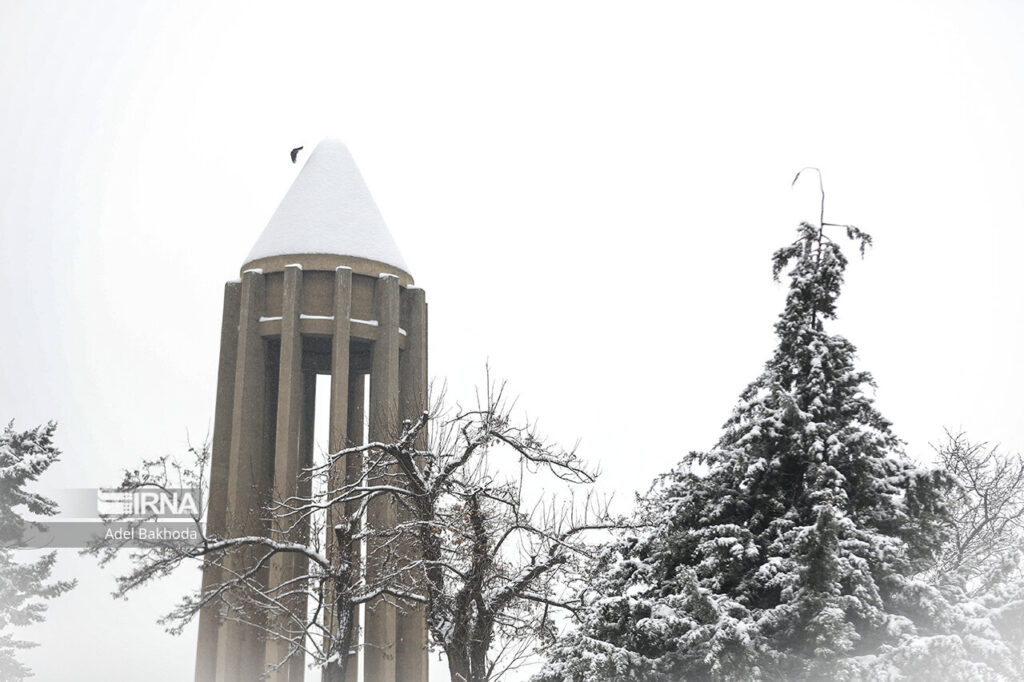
{"x": 329, "y": 210}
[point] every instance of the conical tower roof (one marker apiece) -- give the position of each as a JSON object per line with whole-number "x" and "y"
{"x": 328, "y": 211}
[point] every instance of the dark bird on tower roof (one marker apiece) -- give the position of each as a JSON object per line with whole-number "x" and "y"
{"x": 295, "y": 153}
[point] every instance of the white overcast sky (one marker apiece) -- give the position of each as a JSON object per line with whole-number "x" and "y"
{"x": 589, "y": 193}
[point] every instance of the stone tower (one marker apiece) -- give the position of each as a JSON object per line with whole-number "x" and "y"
{"x": 324, "y": 291}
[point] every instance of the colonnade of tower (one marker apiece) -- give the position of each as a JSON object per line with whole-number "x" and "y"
{"x": 324, "y": 292}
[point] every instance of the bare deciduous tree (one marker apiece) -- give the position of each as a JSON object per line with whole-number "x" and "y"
{"x": 479, "y": 543}
{"x": 987, "y": 513}
{"x": 495, "y": 562}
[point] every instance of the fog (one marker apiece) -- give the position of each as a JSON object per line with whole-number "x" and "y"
{"x": 589, "y": 193}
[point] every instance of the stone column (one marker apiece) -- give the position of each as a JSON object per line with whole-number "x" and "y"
{"x": 338, "y": 437}
{"x": 216, "y": 507}
{"x": 353, "y": 472}
{"x": 379, "y": 651}
{"x": 307, "y": 441}
{"x": 240, "y": 652}
{"x": 411, "y": 629}
{"x": 286, "y": 469}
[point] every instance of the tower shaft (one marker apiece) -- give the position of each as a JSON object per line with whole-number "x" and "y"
{"x": 283, "y": 325}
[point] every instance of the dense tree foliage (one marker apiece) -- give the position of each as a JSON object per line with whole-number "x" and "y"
{"x": 802, "y": 546}
{"x": 23, "y": 585}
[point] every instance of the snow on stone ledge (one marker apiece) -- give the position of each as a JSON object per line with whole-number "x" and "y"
{"x": 328, "y": 209}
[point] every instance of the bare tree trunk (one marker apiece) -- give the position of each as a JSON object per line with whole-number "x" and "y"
{"x": 478, "y": 659}
{"x": 337, "y": 667}
{"x": 458, "y": 666}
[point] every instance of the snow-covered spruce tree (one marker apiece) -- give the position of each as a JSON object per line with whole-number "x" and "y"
{"x": 23, "y": 586}
{"x": 797, "y": 548}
